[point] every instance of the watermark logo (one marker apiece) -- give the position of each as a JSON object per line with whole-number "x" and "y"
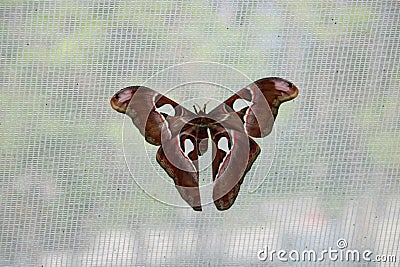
{"x": 339, "y": 253}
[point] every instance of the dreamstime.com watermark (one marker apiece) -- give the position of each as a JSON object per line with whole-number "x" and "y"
{"x": 341, "y": 253}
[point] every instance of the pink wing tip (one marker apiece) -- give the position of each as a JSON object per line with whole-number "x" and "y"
{"x": 287, "y": 89}
{"x": 121, "y": 99}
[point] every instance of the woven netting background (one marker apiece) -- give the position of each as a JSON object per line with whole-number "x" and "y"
{"x": 79, "y": 187}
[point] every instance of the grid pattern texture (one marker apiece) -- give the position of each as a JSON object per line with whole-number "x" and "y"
{"x": 79, "y": 187}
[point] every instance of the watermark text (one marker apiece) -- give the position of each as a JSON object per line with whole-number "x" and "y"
{"x": 338, "y": 253}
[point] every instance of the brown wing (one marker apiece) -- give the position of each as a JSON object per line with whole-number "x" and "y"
{"x": 143, "y": 106}
{"x": 258, "y": 105}
{"x": 169, "y": 131}
{"x": 231, "y": 162}
{"x": 182, "y": 166}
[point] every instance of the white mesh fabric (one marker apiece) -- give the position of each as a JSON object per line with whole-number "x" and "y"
{"x": 68, "y": 196}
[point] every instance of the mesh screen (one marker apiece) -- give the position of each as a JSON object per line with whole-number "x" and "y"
{"x": 80, "y": 187}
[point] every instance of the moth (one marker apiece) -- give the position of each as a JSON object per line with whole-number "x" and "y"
{"x": 182, "y": 135}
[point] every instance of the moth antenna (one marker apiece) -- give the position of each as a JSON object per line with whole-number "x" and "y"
{"x": 205, "y": 105}
{"x": 195, "y": 109}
